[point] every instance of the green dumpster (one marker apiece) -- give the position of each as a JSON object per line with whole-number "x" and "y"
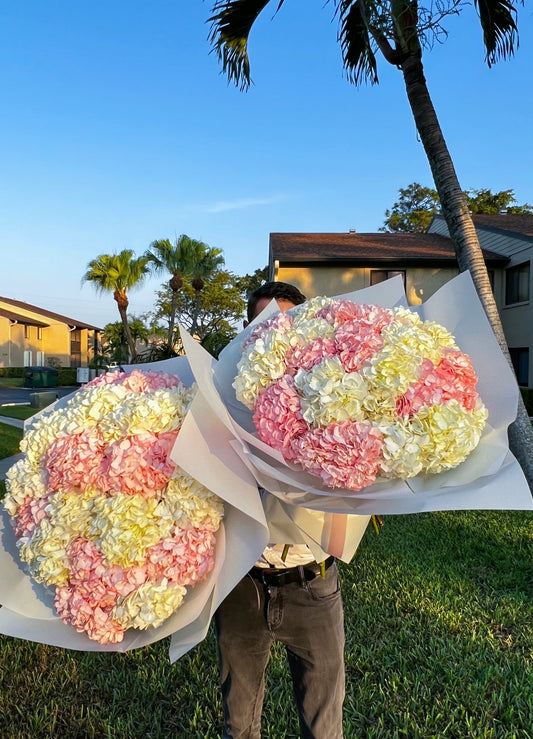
{"x": 40, "y": 377}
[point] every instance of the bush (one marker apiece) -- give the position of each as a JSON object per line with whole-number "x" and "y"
{"x": 66, "y": 376}
{"x": 11, "y": 371}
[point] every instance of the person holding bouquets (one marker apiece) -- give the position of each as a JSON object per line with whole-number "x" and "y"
{"x": 289, "y": 597}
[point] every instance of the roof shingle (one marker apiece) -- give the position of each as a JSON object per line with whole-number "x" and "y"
{"x": 366, "y": 247}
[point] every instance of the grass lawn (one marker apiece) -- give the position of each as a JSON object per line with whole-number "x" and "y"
{"x": 439, "y": 643}
{"x": 11, "y": 381}
{"x": 18, "y": 411}
{"x": 10, "y": 437}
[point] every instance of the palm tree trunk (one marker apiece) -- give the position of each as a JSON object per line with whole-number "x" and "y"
{"x": 122, "y": 302}
{"x": 463, "y": 234}
{"x": 172, "y": 319}
{"x": 196, "y": 313}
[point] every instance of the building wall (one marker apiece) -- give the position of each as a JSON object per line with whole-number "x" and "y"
{"x": 15, "y": 340}
{"x": 421, "y": 282}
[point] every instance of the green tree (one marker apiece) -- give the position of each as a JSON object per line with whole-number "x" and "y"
{"x": 399, "y": 30}
{"x": 249, "y": 283}
{"x": 486, "y": 201}
{"x": 212, "y": 315}
{"x": 186, "y": 259}
{"x": 413, "y": 211}
{"x": 115, "y": 340}
{"x": 416, "y": 206}
{"x": 118, "y": 274}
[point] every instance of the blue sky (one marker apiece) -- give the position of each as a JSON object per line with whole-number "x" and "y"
{"x": 117, "y": 128}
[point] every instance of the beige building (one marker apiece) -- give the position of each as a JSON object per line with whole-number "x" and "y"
{"x": 336, "y": 263}
{"x": 32, "y": 336}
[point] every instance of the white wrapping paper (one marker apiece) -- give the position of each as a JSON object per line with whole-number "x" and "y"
{"x": 490, "y": 478}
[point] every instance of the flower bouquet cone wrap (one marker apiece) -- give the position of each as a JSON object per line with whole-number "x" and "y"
{"x": 122, "y": 547}
{"x": 359, "y": 405}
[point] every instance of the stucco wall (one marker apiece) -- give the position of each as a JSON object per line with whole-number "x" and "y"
{"x": 421, "y": 283}
{"x": 54, "y": 341}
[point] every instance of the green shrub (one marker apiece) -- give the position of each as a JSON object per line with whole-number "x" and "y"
{"x": 66, "y": 376}
{"x": 11, "y": 371}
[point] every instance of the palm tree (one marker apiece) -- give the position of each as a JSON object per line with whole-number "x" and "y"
{"x": 118, "y": 273}
{"x": 399, "y": 29}
{"x": 115, "y": 338}
{"x": 186, "y": 260}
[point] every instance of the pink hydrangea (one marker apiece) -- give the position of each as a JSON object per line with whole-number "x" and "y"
{"x": 305, "y": 357}
{"x": 88, "y": 600}
{"x": 278, "y": 415}
{"x": 30, "y": 514}
{"x": 345, "y": 455}
{"x": 76, "y": 461}
{"x": 453, "y": 378}
{"x": 140, "y": 463}
{"x": 185, "y": 558}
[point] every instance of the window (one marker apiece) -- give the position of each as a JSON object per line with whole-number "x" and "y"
{"x": 520, "y": 360}
{"x": 517, "y": 284}
{"x": 39, "y": 333}
{"x": 27, "y": 332}
{"x": 380, "y": 275}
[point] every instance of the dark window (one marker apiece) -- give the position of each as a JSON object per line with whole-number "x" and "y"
{"x": 27, "y": 332}
{"x": 517, "y": 284}
{"x": 380, "y": 275}
{"x": 39, "y": 332}
{"x": 520, "y": 359}
{"x": 491, "y": 278}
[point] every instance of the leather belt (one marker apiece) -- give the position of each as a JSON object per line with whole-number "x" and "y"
{"x": 301, "y": 574}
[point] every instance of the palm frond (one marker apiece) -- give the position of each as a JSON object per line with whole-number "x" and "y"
{"x": 500, "y": 32}
{"x": 358, "y": 57}
{"x": 231, "y": 23}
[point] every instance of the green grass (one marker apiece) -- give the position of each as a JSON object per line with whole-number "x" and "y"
{"x": 439, "y": 643}
{"x": 11, "y": 382}
{"x": 18, "y": 411}
{"x": 10, "y": 437}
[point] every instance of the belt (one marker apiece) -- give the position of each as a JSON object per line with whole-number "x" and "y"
{"x": 301, "y": 574}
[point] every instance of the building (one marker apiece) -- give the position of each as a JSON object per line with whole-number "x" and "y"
{"x": 336, "y": 263}
{"x": 511, "y": 236}
{"x": 32, "y": 336}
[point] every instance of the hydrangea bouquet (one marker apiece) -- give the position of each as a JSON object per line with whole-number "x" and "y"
{"x": 101, "y": 513}
{"x": 353, "y": 393}
{"x": 360, "y": 405}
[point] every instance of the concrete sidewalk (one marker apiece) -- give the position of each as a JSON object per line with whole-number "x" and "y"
{"x": 8, "y": 462}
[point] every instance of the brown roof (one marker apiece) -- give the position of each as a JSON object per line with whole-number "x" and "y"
{"x": 21, "y": 319}
{"x": 49, "y": 314}
{"x": 366, "y": 247}
{"x": 520, "y": 224}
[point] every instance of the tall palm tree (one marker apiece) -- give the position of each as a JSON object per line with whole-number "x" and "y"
{"x": 399, "y": 29}
{"x": 118, "y": 274}
{"x": 185, "y": 260}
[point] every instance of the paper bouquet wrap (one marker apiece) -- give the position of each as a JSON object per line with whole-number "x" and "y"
{"x": 360, "y": 405}
{"x": 122, "y": 546}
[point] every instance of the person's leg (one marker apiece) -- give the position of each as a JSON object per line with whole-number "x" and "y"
{"x": 244, "y": 643}
{"x": 313, "y": 633}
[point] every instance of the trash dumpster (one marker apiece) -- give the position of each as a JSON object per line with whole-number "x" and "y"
{"x": 40, "y": 377}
